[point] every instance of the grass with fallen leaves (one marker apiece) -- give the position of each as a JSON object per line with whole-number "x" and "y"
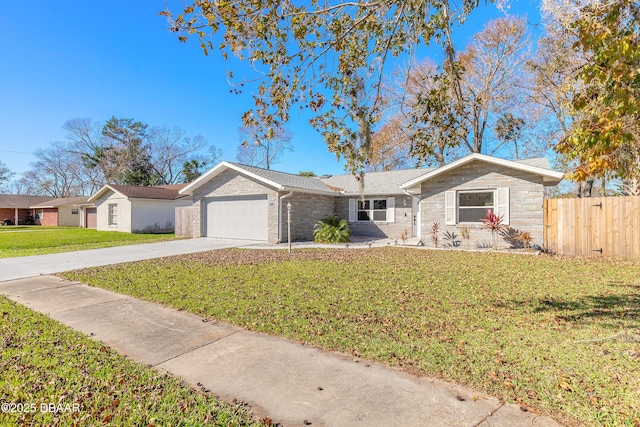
{"x": 44, "y": 363}
{"x": 35, "y": 240}
{"x": 559, "y": 336}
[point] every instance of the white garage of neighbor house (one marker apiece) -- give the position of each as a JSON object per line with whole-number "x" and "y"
{"x": 134, "y": 209}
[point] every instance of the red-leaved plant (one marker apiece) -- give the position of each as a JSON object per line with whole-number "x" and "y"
{"x": 435, "y": 231}
{"x": 493, "y": 223}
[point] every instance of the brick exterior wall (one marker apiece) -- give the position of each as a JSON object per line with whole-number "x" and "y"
{"x": 49, "y": 217}
{"x": 525, "y": 201}
{"x": 8, "y": 213}
{"x": 232, "y": 183}
{"x": 306, "y": 211}
{"x": 393, "y": 230}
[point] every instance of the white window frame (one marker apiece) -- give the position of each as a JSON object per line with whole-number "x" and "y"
{"x": 389, "y": 210}
{"x": 500, "y": 205}
{"x": 486, "y": 208}
{"x": 371, "y": 210}
{"x": 113, "y": 214}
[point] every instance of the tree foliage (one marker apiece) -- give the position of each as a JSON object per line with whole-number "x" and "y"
{"x": 509, "y": 128}
{"x": 455, "y": 108}
{"x": 124, "y": 151}
{"x": 263, "y": 147}
{"x": 5, "y": 174}
{"x": 125, "y": 156}
{"x": 59, "y": 171}
{"x": 323, "y": 56}
{"x": 606, "y": 136}
{"x": 391, "y": 148}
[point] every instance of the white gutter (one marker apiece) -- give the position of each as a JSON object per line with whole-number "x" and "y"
{"x": 409, "y": 194}
{"x": 280, "y": 214}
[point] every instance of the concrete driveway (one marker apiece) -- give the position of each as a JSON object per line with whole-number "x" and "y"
{"x": 30, "y": 266}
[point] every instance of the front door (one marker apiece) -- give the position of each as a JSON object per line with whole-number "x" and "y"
{"x": 415, "y": 210}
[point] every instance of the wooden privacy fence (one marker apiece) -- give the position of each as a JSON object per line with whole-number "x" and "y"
{"x": 607, "y": 226}
{"x": 184, "y": 221}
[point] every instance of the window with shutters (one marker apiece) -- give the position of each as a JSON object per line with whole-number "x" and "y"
{"x": 371, "y": 210}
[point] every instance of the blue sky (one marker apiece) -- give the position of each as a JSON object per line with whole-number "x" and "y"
{"x": 66, "y": 59}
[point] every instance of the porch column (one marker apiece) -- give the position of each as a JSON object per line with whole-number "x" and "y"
{"x": 16, "y": 217}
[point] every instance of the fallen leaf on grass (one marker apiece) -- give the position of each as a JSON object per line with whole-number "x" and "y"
{"x": 564, "y": 385}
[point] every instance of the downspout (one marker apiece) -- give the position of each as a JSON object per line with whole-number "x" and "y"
{"x": 280, "y": 214}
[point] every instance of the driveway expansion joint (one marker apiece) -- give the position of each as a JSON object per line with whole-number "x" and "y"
{"x": 194, "y": 349}
{"x": 491, "y": 414}
{"x": 95, "y": 304}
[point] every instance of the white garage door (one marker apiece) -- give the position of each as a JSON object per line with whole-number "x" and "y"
{"x": 242, "y": 217}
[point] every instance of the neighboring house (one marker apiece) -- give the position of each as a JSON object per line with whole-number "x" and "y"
{"x": 16, "y": 208}
{"x": 238, "y": 201}
{"x": 66, "y": 211}
{"x": 133, "y": 209}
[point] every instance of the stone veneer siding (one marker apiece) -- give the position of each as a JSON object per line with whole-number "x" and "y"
{"x": 525, "y": 201}
{"x": 393, "y": 230}
{"x": 232, "y": 183}
{"x": 306, "y": 211}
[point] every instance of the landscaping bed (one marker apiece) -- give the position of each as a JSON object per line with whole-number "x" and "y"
{"x": 36, "y": 240}
{"x": 558, "y": 335}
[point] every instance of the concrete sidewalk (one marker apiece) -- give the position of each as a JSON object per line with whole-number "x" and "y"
{"x": 290, "y": 383}
{"x": 30, "y": 266}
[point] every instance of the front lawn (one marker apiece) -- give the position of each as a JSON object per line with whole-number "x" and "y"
{"x": 47, "y": 367}
{"x": 560, "y": 336}
{"x": 36, "y": 240}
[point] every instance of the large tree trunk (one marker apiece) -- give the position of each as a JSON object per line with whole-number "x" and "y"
{"x": 585, "y": 188}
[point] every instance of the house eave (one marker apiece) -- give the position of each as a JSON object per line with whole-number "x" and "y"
{"x": 218, "y": 169}
{"x": 308, "y": 191}
{"x": 549, "y": 177}
{"x": 371, "y": 194}
{"x": 100, "y": 192}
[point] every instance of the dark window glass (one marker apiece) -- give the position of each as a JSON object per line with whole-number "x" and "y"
{"x": 484, "y": 198}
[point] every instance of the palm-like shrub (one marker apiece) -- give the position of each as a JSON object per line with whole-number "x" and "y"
{"x": 331, "y": 230}
{"x": 493, "y": 223}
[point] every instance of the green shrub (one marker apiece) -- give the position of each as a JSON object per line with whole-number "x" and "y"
{"x": 331, "y": 230}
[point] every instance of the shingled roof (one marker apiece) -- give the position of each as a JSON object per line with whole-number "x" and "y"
{"x": 281, "y": 181}
{"x": 54, "y": 203}
{"x": 375, "y": 183}
{"x": 288, "y": 180}
{"x": 21, "y": 201}
{"x": 162, "y": 192}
